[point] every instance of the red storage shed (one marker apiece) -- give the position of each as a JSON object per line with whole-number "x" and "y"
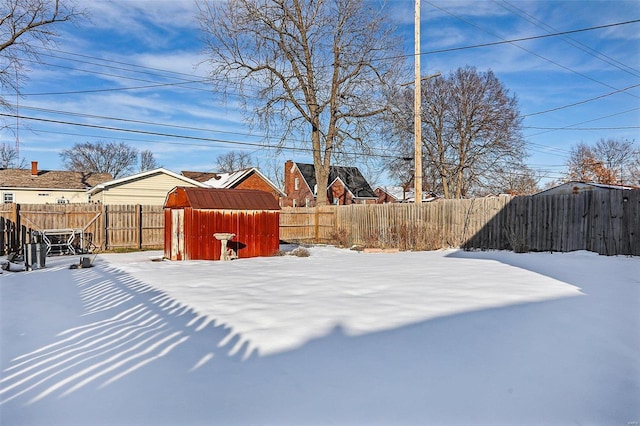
{"x": 193, "y": 215}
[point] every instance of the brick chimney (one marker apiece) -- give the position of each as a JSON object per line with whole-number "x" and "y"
{"x": 34, "y": 168}
{"x": 288, "y": 186}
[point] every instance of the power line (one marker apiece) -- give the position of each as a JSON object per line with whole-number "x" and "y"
{"x": 585, "y": 122}
{"x": 581, "y": 128}
{"x": 547, "y": 129}
{"x": 581, "y": 102}
{"x": 121, "y": 63}
{"x": 453, "y": 49}
{"x": 186, "y": 137}
{"x": 126, "y": 120}
{"x": 581, "y": 46}
{"x": 142, "y": 132}
{"x": 514, "y": 41}
{"x": 194, "y": 140}
{"x": 112, "y": 89}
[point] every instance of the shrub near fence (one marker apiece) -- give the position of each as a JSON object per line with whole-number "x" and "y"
{"x": 427, "y": 226}
{"x": 606, "y": 222}
{"x": 107, "y": 226}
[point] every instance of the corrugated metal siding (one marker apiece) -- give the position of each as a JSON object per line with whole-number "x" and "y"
{"x": 256, "y": 233}
{"x": 257, "y": 230}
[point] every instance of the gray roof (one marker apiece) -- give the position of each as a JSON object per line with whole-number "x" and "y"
{"x": 350, "y": 176}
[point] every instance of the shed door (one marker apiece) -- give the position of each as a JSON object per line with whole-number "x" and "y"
{"x": 177, "y": 234}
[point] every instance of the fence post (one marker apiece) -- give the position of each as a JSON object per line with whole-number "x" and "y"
{"x": 316, "y": 225}
{"x": 17, "y": 231}
{"x": 106, "y": 226}
{"x": 139, "y": 219}
{"x": 2, "y": 235}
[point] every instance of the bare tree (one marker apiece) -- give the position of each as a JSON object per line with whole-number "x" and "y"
{"x": 233, "y": 161}
{"x": 271, "y": 167}
{"x": 610, "y": 161}
{"x": 26, "y": 25}
{"x": 147, "y": 160}
{"x": 581, "y": 163}
{"x": 518, "y": 179}
{"x": 616, "y": 156}
{"x": 117, "y": 159}
{"x": 314, "y": 70}
{"x": 9, "y": 158}
{"x": 635, "y": 168}
{"x": 471, "y": 131}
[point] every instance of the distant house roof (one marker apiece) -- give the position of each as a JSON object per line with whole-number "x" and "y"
{"x": 229, "y": 180}
{"x": 351, "y": 177}
{"x": 199, "y": 176}
{"x": 142, "y": 175}
{"x": 397, "y": 192}
{"x": 220, "y": 199}
{"x": 426, "y": 197}
{"x": 50, "y": 179}
{"x": 574, "y": 187}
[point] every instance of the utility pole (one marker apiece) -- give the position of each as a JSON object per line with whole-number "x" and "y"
{"x": 417, "y": 115}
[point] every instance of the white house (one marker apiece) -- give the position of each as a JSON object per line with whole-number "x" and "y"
{"x": 148, "y": 188}
{"x": 35, "y": 186}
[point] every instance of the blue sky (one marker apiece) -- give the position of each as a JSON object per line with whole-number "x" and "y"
{"x": 141, "y": 60}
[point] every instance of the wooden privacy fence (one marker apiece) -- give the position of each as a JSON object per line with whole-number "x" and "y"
{"x": 606, "y": 222}
{"x": 106, "y": 226}
{"x": 427, "y": 226}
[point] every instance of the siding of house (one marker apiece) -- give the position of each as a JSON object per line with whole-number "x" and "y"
{"x": 338, "y": 194}
{"x": 45, "y": 196}
{"x": 150, "y": 190}
{"x": 384, "y": 197}
{"x": 300, "y": 196}
{"x": 254, "y": 181}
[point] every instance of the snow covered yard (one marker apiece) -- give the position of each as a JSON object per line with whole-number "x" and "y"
{"x": 340, "y": 337}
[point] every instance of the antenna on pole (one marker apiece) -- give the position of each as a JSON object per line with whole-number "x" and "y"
{"x": 417, "y": 117}
{"x": 17, "y": 118}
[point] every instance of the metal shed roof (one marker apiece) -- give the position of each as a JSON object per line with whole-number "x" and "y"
{"x": 221, "y": 199}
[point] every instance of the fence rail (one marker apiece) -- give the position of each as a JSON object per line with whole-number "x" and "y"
{"x": 606, "y": 222}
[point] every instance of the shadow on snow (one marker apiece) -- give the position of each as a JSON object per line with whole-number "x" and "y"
{"x": 135, "y": 356}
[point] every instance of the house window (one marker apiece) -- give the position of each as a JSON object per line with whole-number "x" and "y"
{"x": 294, "y": 203}
{"x": 62, "y": 200}
{"x": 296, "y": 184}
{"x": 7, "y": 197}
